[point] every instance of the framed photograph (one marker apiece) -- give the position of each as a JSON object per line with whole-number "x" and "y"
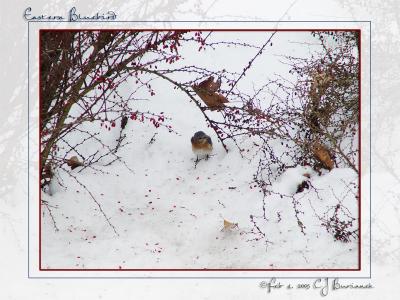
{"x": 199, "y": 149}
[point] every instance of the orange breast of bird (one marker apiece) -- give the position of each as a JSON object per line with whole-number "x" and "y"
{"x": 201, "y": 145}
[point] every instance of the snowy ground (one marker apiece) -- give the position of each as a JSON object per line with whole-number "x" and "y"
{"x": 169, "y": 214}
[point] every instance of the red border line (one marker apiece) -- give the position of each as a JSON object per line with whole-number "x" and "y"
{"x": 359, "y": 149}
{"x": 205, "y": 269}
{"x": 40, "y": 150}
{"x": 204, "y": 29}
{"x": 208, "y": 30}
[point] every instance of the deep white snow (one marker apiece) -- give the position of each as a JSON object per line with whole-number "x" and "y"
{"x": 169, "y": 214}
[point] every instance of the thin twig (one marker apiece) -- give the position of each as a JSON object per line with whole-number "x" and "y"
{"x": 95, "y": 201}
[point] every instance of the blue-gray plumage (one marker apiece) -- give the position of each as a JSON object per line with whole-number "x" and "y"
{"x": 201, "y": 143}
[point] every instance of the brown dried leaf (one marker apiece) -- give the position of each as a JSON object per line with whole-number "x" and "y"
{"x": 206, "y": 90}
{"x": 74, "y": 162}
{"x": 229, "y": 225}
{"x": 322, "y": 154}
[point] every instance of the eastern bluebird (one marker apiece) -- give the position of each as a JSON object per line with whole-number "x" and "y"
{"x": 201, "y": 144}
